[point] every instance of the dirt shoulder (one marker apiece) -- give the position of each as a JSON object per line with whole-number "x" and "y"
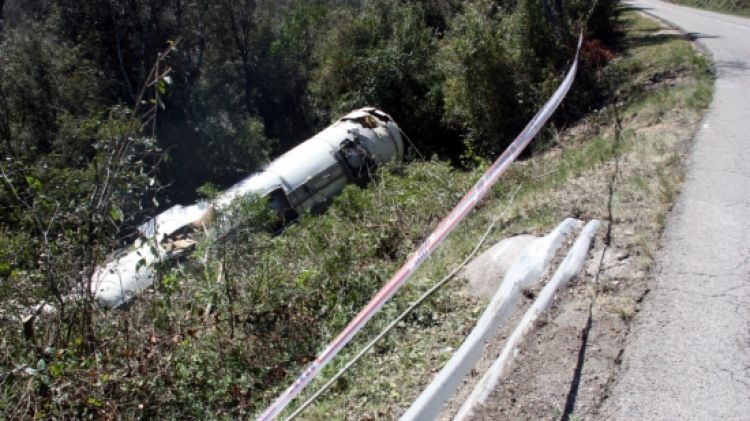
{"x": 688, "y": 356}
{"x": 567, "y": 363}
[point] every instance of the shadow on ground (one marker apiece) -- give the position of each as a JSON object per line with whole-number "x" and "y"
{"x": 655, "y": 36}
{"x": 732, "y": 68}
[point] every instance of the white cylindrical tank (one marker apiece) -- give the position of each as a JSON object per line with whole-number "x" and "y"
{"x": 301, "y": 180}
{"x": 317, "y": 169}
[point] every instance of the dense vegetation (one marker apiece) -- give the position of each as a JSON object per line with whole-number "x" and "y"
{"x": 111, "y": 109}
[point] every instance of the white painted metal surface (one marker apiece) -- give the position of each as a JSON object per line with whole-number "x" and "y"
{"x": 301, "y": 180}
{"x": 172, "y": 219}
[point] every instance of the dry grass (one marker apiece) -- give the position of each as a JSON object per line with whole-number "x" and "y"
{"x": 571, "y": 178}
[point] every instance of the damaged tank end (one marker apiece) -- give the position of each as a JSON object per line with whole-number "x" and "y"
{"x": 304, "y": 179}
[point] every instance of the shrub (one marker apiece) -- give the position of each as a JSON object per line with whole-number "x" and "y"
{"x": 384, "y": 57}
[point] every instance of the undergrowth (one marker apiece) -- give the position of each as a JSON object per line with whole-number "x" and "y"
{"x": 233, "y": 324}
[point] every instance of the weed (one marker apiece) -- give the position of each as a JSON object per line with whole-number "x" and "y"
{"x": 641, "y": 184}
{"x": 646, "y": 247}
{"x": 667, "y": 187}
{"x": 555, "y": 184}
{"x": 625, "y": 309}
{"x": 231, "y": 327}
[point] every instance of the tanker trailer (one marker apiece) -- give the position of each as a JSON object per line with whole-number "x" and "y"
{"x": 304, "y": 179}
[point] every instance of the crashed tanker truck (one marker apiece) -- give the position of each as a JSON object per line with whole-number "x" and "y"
{"x": 301, "y": 180}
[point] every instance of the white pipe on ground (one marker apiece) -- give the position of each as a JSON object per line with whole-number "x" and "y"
{"x": 570, "y": 267}
{"x": 524, "y": 273}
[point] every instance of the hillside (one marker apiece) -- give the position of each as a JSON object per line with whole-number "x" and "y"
{"x": 226, "y": 329}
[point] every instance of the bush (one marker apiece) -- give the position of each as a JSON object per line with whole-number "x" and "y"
{"x": 499, "y": 68}
{"x": 384, "y": 57}
{"x": 225, "y": 328}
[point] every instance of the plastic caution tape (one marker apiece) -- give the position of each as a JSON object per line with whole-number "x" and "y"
{"x": 446, "y": 226}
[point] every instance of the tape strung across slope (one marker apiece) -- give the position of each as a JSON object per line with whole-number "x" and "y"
{"x": 524, "y": 272}
{"x": 446, "y": 226}
{"x": 568, "y": 268}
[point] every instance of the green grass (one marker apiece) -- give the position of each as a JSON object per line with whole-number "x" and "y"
{"x": 385, "y": 383}
{"x": 736, "y": 7}
{"x": 225, "y": 335}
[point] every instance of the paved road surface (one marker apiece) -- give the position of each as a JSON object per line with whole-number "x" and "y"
{"x": 688, "y": 355}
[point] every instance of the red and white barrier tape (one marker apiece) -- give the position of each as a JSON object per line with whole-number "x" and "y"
{"x": 446, "y": 226}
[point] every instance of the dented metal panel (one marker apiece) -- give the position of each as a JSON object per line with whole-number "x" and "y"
{"x": 323, "y": 184}
{"x": 260, "y": 184}
{"x": 172, "y": 220}
{"x": 304, "y": 161}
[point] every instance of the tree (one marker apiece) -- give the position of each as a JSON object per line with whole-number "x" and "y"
{"x": 385, "y": 57}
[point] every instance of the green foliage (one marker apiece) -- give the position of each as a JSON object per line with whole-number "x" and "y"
{"x": 43, "y": 84}
{"x": 243, "y": 313}
{"x": 384, "y": 56}
{"x": 601, "y": 21}
{"x": 502, "y": 60}
{"x": 500, "y": 68}
{"x": 444, "y": 69}
{"x": 288, "y": 71}
{"x": 225, "y": 327}
{"x": 56, "y": 140}
{"x": 282, "y": 297}
{"x": 72, "y": 177}
{"x": 479, "y": 87}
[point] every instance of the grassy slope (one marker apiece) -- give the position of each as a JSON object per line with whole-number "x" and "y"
{"x": 664, "y": 85}
{"x": 737, "y": 7}
{"x": 213, "y": 339}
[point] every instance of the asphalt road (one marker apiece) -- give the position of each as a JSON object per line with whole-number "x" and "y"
{"x": 688, "y": 354}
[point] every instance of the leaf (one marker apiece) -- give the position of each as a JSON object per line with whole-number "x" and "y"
{"x": 161, "y": 86}
{"x": 5, "y": 269}
{"x": 116, "y": 213}
{"x": 33, "y": 182}
{"x": 56, "y": 369}
{"x": 92, "y": 401}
